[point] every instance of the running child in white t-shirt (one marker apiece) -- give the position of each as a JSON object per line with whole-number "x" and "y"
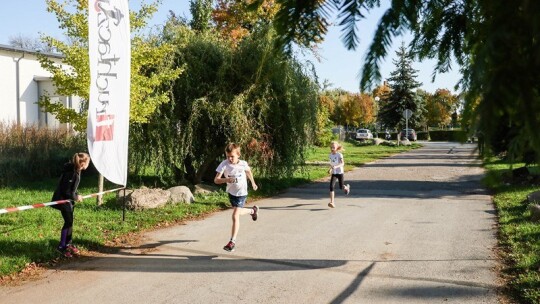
{"x": 235, "y": 173}
{"x": 336, "y": 169}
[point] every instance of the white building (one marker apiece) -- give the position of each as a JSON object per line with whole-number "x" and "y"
{"x": 22, "y": 82}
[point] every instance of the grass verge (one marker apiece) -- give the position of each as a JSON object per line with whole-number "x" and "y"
{"x": 519, "y": 238}
{"x": 30, "y": 237}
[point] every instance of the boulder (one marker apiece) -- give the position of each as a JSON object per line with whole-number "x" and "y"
{"x": 146, "y": 198}
{"x": 534, "y": 197}
{"x": 378, "y": 141}
{"x": 535, "y": 212}
{"x": 181, "y": 194}
{"x": 205, "y": 189}
{"x": 405, "y": 142}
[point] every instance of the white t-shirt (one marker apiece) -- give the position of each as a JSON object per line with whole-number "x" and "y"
{"x": 336, "y": 159}
{"x": 238, "y": 171}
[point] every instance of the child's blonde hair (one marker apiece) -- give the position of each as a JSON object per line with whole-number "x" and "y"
{"x": 232, "y": 147}
{"x": 339, "y": 147}
{"x": 79, "y": 159}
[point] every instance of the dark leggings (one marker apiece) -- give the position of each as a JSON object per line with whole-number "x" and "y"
{"x": 67, "y": 214}
{"x": 339, "y": 177}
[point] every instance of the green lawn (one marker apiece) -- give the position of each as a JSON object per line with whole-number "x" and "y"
{"x": 518, "y": 236}
{"x": 32, "y": 235}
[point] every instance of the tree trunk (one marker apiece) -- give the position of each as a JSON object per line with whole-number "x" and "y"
{"x": 190, "y": 170}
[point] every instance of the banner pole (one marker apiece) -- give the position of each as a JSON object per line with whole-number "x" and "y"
{"x": 124, "y": 206}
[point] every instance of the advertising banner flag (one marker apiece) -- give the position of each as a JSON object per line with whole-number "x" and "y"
{"x": 108, "y": 108}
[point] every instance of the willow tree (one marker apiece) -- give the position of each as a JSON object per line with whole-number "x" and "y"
{"x": 494, "y": 42}
{"x": 151, "y": 68}
{"x": 247, "y": 93}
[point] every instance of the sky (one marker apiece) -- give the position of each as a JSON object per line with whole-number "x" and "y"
{"x": 339, "y": 66}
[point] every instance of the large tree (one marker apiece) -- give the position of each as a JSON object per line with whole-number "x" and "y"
{"x": 402, "y": 94}
{"x": 151, "y": 68}
{"x": 201, "y": 13}
{"x": 494, "y": 42}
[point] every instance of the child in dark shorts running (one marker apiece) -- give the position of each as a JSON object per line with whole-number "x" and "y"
{"x": 235, "y": 173}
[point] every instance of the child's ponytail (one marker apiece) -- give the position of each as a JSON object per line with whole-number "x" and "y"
{"x": 79, "y": 159}
{"x": 338, "y": 146}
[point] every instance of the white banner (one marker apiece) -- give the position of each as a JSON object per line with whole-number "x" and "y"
{"x": 108, "y": 110}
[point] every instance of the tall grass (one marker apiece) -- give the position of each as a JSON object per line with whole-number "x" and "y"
{"x": 31, "y": 153}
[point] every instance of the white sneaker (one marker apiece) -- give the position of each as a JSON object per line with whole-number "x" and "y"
{"x": 347, "y": 189}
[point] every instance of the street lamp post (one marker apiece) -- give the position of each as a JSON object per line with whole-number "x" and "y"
{"x": 377, "y": 122}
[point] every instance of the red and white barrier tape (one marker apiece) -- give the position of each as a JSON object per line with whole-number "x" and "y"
{"x": 14, "y": 209}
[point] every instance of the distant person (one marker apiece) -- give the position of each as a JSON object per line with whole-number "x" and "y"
{"x": 67, "y": 190}
{"x": 387, "y": 135}
{"x": 235, "y": 173}
{"x": 481, "y": 142}
{"x": 336, "y": 169}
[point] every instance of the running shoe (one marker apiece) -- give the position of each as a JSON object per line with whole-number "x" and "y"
{"x": 229, "y": 247}
{"x": 64, "y": 252}
{"x": 255, "y": 213}
{"x": 74, "y": 250}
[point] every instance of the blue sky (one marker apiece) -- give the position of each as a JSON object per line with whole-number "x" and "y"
{"x": 340, "y": 66}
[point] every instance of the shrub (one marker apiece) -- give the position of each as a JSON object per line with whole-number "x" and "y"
{"x": 422, "y": 135}
{"x": 448, "y": 135}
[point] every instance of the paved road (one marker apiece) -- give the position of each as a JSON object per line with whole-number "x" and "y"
{"x": 416, "y": 228}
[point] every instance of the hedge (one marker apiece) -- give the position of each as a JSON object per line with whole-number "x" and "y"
{"x": 448, "y": 135}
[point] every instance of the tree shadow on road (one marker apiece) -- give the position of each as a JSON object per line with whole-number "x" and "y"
{"x": 353, "y": 286}
{"x": 195, "y": 261}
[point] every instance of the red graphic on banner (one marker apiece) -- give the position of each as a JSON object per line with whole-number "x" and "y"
{"x": 104, "y": 128}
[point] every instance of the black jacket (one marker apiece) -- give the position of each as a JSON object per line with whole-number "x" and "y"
{"x": 68, "y": 184}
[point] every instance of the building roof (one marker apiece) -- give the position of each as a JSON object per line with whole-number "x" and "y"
{"x": 20, "y": 50}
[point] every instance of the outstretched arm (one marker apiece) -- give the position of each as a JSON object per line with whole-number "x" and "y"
{"x": 250, "y": 176}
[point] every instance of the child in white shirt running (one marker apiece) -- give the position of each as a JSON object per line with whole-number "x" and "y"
{"x": 235, "y": 173}
{"x": 336, "y": 169}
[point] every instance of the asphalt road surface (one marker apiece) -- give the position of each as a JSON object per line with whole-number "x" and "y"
{"x": 416, "y": 228}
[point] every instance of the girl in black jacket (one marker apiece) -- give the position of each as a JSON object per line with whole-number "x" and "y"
{"x": 67, "y": 190}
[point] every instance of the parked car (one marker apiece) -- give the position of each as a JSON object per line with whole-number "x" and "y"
{"x": 409, "y": 134}
{"x": 363, "y": 134}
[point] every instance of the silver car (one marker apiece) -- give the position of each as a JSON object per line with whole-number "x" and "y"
{"x": 363, "y": 134}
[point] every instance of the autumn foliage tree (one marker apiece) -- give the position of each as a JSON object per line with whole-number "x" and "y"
{"x": 237, "y": 19}
{"x": 349, "y": 109}
{"x": 440, "y": 107}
